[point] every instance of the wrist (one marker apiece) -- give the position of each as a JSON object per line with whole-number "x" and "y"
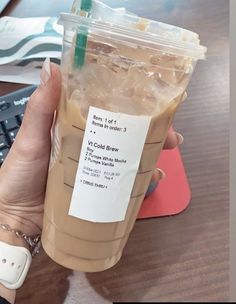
{"x": 10, "y": 237}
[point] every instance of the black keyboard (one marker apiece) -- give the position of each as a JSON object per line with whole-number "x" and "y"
{"x": 12, "y": 108}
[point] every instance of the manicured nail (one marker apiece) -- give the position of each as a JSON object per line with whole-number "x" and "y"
{"x": 151, "y": 188}
{"x": 45, "y": 72}
{"x": 161, "y": 173}
{"x": 157, "y": 176}
{"x": 180, "y": 138}
{"x": 184, "y": 96}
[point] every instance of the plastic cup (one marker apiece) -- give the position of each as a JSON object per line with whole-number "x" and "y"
{"x": 134, "y": 75}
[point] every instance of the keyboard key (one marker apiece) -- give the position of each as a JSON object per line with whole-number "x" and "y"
{"x": 12, "y": 135}
{"x": 4, "y": 106}
{"x": 11, "y": 123}
{"x": 3, "y": 142}
{"x": 3, "y": 154}
{"x": 1, "y": 130}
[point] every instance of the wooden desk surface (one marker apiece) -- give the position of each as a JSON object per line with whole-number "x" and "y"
{"x": 181, "y": 258}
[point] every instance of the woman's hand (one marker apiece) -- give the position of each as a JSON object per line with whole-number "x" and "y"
{"x": 23, "y": 175}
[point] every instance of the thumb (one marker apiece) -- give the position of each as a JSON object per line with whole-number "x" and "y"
{"x": 34, "y": 133}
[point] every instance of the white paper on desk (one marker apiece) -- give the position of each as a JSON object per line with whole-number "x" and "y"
{"x": 14, "y": 74}
{"x": 26, "y": 71}
{"x": 24, "y": 45}
{"x": 24, "y": 38}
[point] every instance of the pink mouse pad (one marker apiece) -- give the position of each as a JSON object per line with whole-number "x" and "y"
{"x": 173, "y": 194}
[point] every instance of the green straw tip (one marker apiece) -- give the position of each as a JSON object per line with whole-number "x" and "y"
{"x": 86, "y": 5}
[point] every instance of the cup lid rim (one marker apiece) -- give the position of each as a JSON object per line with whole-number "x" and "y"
{"x": 178, "y": 47}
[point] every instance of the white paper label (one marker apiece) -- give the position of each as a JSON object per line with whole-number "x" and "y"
{"x": 109, "y": 160}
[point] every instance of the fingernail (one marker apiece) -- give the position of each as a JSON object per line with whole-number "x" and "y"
{"x": 161, "y": 173}
{"x": 180, "y": 138}
{"x": 151, "y": 188}
{"x": 45, "y": 72}
{"x": 184, "y": 96}
{"x": 157, "y": 176}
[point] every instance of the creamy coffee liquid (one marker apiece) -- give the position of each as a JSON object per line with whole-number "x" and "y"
{"x": 114, "y": 83}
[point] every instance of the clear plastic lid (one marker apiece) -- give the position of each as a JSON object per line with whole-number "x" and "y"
{"x": 153, "y": 30}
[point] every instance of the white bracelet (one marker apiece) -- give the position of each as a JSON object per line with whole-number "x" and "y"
{"x": 15, "y": 262}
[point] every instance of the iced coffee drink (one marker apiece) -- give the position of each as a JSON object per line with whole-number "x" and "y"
{"x": 113, "y": 119}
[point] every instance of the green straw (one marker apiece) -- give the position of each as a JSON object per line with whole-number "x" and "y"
{"x": 81, "y": 38}
{"x": 86, "y": 5}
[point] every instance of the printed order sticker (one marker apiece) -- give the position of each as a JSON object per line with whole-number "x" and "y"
{"x": 109, "y": 160}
